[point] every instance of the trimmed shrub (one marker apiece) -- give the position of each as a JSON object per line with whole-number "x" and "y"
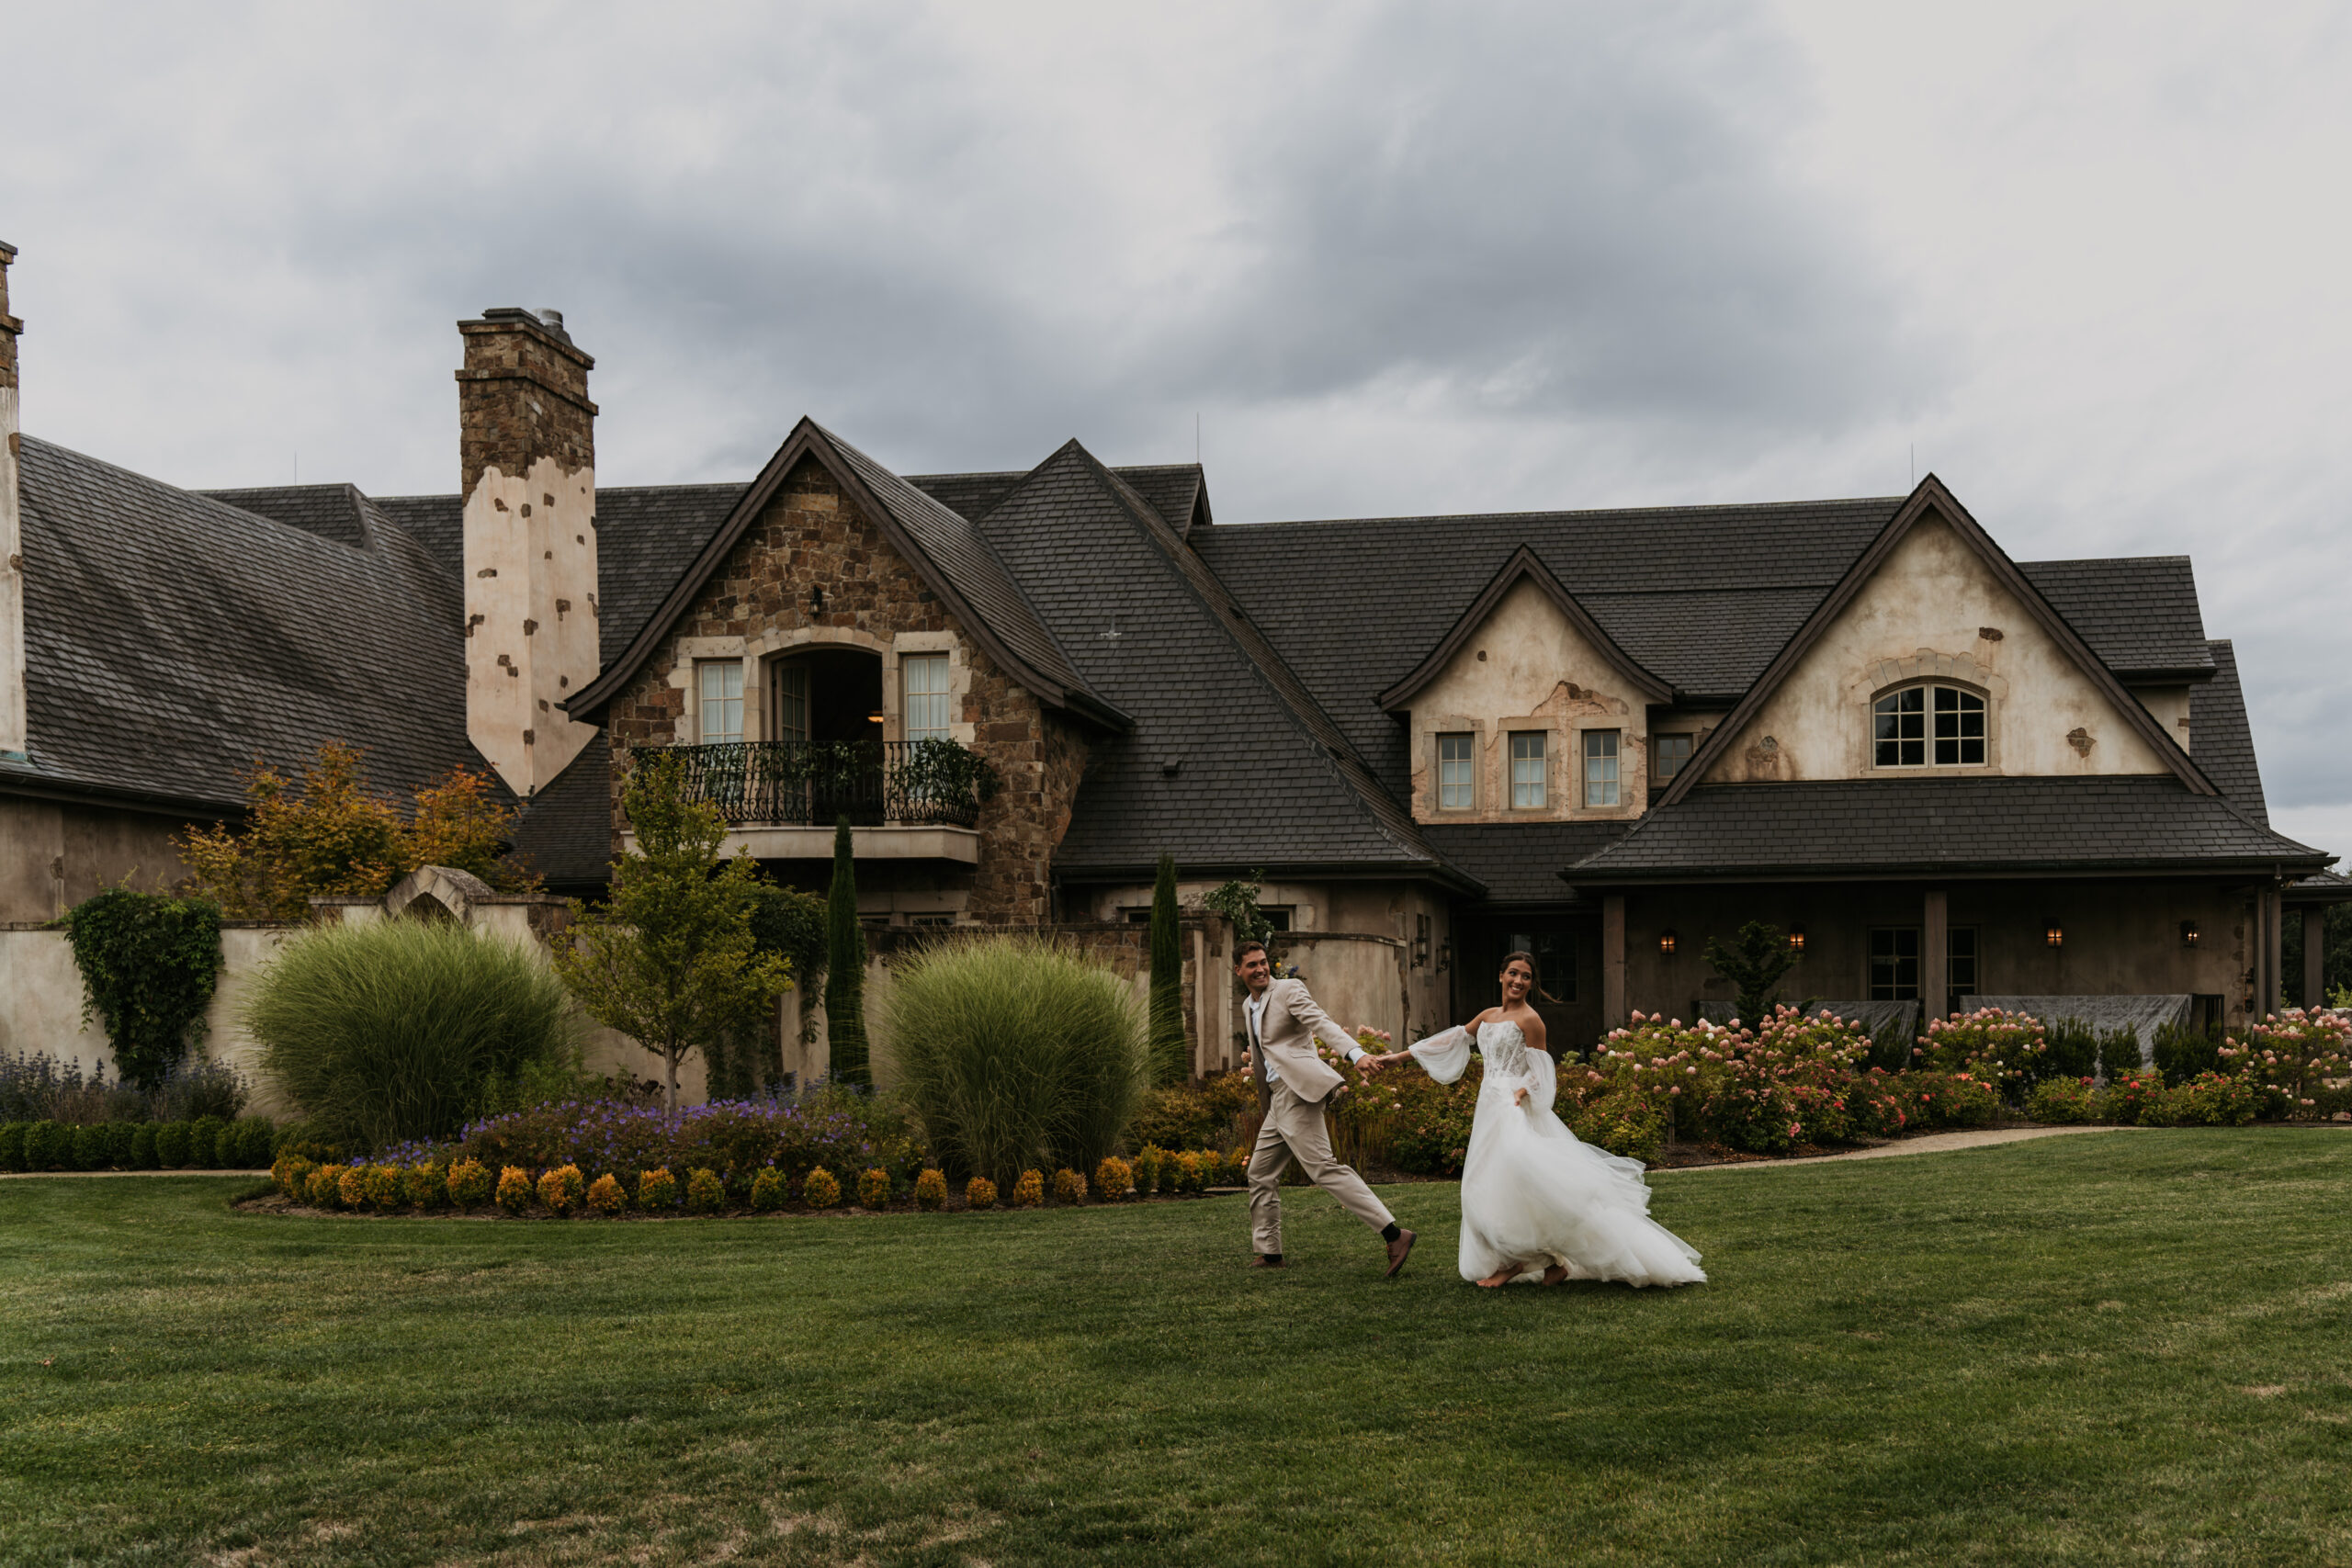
{"x": 1029, "y": 1192}
{"x": 2208, "y": 1100}
{"x": 119, "y": 1136}
{"x": 1069, "y": 1187}
{"x": 2181, "y": 1052}
{"x": 1951, "y": 1099}
{"x": 1148, "y": 1166}
{"x": 706, "y": 1194}
{"x": 351, "y": 1187}
{"x": 291, "y": 1176}
{"x": 561, "y": 1189}
{"x": 1012, "y": 1051}
{"x": 874, "y": 1189}
{"x": 1186, "y": 1169}
{"x": 2064, "y": 1103}
{"x": 143, "y": 1147}
{"x": 515, "y": 1189}
{"x": 1113, "y": 1179}
{"x": 979, "y": 1193}
{"x": 930, "y": 1190}
{"x": 254, "y": 1139}
{"x": 91, "y": 1148}
{"x": 387, "y": 1187}
{"x": 204, "y": 1143}
{"x": 769, "y": 1190}
{"x": 323, "y": 1186}
{"x": 470, "y": 1183}
{"x": 2073, "y": 1050}
{"x": 2119, "y": 1054}
{"x": 1624, "y": 1124}
{"x": 821, "y": 1191}
{"x": 657, "y": 1190}
{"x": 172, "y": 1146}
{"x": 2129, "y": 1094}
{"x": 1186, "y": 1116}
{"x": 385, "y": 1032}
{"x": 427, "y": 1185}
{"x": 606, "y": 1196}
{"x": 12, "y": 1146}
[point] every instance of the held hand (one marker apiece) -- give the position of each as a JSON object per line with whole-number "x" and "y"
{"x": 1370, "y": 1066}
{"x": 1519, "y": 1097}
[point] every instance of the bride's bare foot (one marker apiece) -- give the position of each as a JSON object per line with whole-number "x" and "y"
{"x": 1555, "y": 1274}
{"x": 1496, "y": 1282}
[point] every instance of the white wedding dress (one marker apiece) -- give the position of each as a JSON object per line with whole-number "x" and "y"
{"x": 1532, "y": 1194}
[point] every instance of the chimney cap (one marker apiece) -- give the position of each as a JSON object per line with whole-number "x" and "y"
{"x": 7, "y": 250}
{"x": 550, "y": 321}
{"x": 551, "y": 316}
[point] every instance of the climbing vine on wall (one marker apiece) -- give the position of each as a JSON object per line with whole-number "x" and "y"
{"x": 149, "y": 964}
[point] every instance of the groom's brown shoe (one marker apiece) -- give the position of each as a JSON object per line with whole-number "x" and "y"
{"x": 1399, "y": 1250}
{"x": 1266, "y": 1260}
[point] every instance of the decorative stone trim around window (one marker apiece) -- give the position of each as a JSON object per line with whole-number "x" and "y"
{"x": 1925, "y": 671}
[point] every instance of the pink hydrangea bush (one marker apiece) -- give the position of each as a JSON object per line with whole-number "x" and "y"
{"x": 2003, "y": 1049}
{"x": 2301, "y": 1061}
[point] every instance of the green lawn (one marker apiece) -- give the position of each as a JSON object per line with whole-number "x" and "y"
{"x": 2126, "y": 1347}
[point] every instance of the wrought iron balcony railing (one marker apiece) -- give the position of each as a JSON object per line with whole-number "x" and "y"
{"x": 926, "y": 783}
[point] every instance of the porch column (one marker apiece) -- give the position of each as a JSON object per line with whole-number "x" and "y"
{"x": 1612, "y": 961}
{"x": 1935, "y": 959}
{"x": 2274, "y": 958}
{"x": 2315, "y": 955}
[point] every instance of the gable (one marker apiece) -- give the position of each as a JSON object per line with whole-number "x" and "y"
{"x": 1934, "y": 607}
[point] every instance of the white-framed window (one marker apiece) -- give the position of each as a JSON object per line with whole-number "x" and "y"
{"x": 719, "y": 718}
{"x": 1669, "y": 755}
{"x": 1457, "y": 778}
{"x": 1527, "y": 792}
{"x": 790, "y": 678}
{"x": 924, "y": 678}
{"x": 1601, "y": 767}
{"x": 1928, "y": 725}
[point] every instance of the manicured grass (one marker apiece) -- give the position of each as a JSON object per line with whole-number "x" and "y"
{"x": 2111, "y": 1348}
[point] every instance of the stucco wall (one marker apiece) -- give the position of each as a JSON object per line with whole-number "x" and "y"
{"x": 1934, "y": 610}
{"x": 1529, "y": 669}
{"x": 530, "y": 581}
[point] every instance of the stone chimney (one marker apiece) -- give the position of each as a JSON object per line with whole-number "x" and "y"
{"x": 527, "y": 447}
{"x": 12, "y": 740}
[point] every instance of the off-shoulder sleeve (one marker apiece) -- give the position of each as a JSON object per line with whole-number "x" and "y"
{"x": 1445, "y": 1057}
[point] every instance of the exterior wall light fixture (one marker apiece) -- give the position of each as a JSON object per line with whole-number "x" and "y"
{"x": 2189, "y": 935}
{"x": 1796, "y": 939}
{"x": 1666, "y": 943}
{"x": 2053, "y": 932}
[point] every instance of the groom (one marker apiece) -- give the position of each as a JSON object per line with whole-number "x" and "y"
{"x": 1293, "y": 1083}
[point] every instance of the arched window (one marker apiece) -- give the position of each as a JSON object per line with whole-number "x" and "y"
{"x": 1928, "y": 725}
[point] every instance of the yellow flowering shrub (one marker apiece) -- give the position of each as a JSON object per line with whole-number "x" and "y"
{"x": 291, "y": 1176}
{"x": 931, "y": 1189}
{"x": 874, "y": 1189}
{"x": 325, "y": 1187}
{"x": 768, "y": 1190}
{"x": 351, "y": 1187}
{"x": 706, "y": 1194}
{"x": 1029, "y": 1190}
{"x": 1069, "y": 1187}
{"x": 657, "y": 1190}
{"x": 385, "y": 1187}
{"x": 1186, "y": 1172}
{"x": 821, "y": 1191}
{"x": 561, "y": 1189}
{"x": 1113, "y": 1179}
{"x": 470, "y": 1183}
{"x": 515, "y": 1189}
{"x": 980, "y": 1192}
{"x": 1148, "y": 1167}
{"x": 606, "y": 1194}
{"x": 423, "y": 1185}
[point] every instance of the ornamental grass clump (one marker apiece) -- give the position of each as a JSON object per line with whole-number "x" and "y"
{"x": 873, "y": 1188}
{"x": 470, "y": 1183}
{"x": 562, "y": 1189}
{"x": 385, "y": 1033}
{"x": 706, "y": 1194}
{"x": 657, "y": 1190}
{"x": 1113, "y": 1179}
{"x": 769, "y": 1190}
{"x": 821, "y": 1191}
{"x": 930, "y": 1190}
{"x": 1015, "y": 1053}
{"x": 1029, "y": 1192}
{"x": 1069, "y": 1187}
{"x": 515, "y": 1189}
{"x": 979, "y": 1193}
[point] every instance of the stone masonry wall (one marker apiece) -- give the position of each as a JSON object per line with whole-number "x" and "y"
{"x": 811, "y": 538}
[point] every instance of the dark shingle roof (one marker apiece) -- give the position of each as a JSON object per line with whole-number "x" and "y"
{"x": 332, "y": 512}
{"x": 1265, "y": 778}
{"x": 2138, "y": 613}
{"x": 2220, "y": 738}
{"x": 1941, "y": 826}
{"x": 170, "y": 638}
{"x": 1171, "y": 488}
{"x": 565, "y": 831}
{"x": 1520, "y": 862}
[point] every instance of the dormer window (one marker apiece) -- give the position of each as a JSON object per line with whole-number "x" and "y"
{"x": 1928, "y": 726}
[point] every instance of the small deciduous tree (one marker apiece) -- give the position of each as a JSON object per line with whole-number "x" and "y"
{"x": 845, "y": 966}
{"x": 670, "y": 958}
{"x": 1170, "y": 1060}
{"x": 1754, "y": 962}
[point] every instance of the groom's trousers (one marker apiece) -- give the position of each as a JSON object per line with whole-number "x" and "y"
{"x": 1295, "y": 1128}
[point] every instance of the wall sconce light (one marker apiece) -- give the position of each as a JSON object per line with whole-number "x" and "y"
{"x": 1666, "y": 943}
{"x": 2053, "y": 932}
{"x": 2189, "y": 934}
{"x": 874, "y": 718}
{"x": 1446, "y": 955}
{"x": 1796, "y": 939}
{"x": 817, "y": 600}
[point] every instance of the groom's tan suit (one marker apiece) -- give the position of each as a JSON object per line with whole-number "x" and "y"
{"x": 1282, "y": 1032}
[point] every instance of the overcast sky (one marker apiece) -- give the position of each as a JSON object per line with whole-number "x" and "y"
{"x": 2088, "y": 263}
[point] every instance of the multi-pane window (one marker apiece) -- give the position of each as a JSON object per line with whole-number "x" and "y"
{"x": 1906, "y": 725}
{"x": 926, "y": 675}
{"x": 720, "y": 719}
{"x": 1894, "y": 964}
{"x": 1669, "y": 753}
{"x": 1457, "y": 757}
{"x": 1601, "y": 767}
{"x": 1960, "y": 956}
{"x": 791, "y": 681}
{"x": 1527, "y": 771}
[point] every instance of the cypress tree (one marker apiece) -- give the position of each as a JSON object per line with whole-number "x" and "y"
{"x": 845, "y": 966}
{"x": 1170, "y": 1060}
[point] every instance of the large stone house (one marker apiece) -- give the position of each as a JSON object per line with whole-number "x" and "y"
{"x": 1602, "y": 735}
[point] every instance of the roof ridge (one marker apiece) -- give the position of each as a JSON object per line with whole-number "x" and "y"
{"x": 1691, "y": 508}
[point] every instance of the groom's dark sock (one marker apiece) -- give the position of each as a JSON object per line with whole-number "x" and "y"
{"x": 1389, "y": 1231}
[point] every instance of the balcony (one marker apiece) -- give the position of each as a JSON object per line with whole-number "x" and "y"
{"x": 917, "y": 800}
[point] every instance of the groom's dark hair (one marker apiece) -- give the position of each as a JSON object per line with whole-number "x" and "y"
{"x": 1243, "y": 949}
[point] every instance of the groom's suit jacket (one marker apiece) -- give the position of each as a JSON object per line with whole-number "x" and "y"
{"x": 1286, "y": 1037}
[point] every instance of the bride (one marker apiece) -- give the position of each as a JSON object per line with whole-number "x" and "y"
{"x": 1533, "y": 1197}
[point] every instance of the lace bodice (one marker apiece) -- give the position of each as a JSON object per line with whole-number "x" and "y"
{"x": 1504, "y": 1045}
